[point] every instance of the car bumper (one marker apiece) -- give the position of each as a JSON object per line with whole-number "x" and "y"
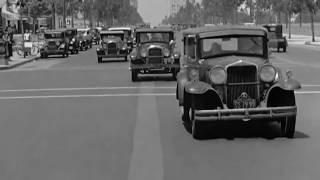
{"x": 112, "y": 55}
{"x": 53, "y": 51}
{"x": 245, "y": 114}
{"x": 154, "y": 66}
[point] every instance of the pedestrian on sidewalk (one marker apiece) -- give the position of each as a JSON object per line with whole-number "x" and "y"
{"x": 9, "y": 29}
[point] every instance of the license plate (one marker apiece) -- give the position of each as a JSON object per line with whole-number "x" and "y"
{"x": 244, "y": 101}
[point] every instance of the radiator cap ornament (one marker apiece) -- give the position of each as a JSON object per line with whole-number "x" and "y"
{"x": 244, "y": 101}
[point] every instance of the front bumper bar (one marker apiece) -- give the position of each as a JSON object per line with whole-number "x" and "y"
{"x": 245, "y": 114}
{"x": 112, "y": 55}
{"x": 153, "y": 66}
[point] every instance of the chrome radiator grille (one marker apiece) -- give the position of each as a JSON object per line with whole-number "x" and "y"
{"x": 112, "y": 48}
{"x": 241, "y": 79}
{"x": 155, "y": 56}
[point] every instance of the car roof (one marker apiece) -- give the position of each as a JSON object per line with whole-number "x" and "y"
{"x": 159, "y": 29}
{"x": 83, "y": 29}
{"x": 120, "y": 28}
{"x": 223, "y": 30}
{"x": 111, "y": 32}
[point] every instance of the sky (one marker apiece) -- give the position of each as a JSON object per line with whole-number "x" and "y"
{"x": 153, "y": 11}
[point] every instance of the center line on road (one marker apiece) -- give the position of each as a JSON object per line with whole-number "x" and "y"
{"x": 146, "y": 159}
{"x": 85, "y": 88}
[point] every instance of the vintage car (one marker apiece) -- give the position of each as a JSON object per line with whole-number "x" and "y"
{"x": 95, "y": 33}
{"x": 55, "y": 43}
{"x": 85, "y": 39}
{"x": 128, "y": 35}
{"x": 154, "y": 53}
{"x": 226, "y": 75}
{"x": 112, "y": 45}
{"x": 276, "y": 38}
{"x": 73, "y": 41}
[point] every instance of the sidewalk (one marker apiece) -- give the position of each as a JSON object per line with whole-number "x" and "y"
{"x": 302, "y": 40}
{"x": 16, "y": 61}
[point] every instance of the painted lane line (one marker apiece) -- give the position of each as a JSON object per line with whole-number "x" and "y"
{"x": 146, "y": 159}
{"x": 85, "y": 88}
{"x": 87, "y": 96}
{"x": 310, "y": 85}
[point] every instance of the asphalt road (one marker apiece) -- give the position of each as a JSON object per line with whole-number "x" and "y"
{"x": 75, "y": 119}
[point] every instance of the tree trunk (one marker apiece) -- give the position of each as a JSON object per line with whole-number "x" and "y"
{"x": 53, "y": 16}
{"x": 312, "y": 26}
{"x": 289, "y": 25}
{"x": 286, "y": 15}
{"x": 300, "y": 19}
{"x": 279, "y": 17}
{"x": 72, "y": 17}
{"x": 33, "y": 25}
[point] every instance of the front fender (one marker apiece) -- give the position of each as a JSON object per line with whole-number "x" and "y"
{"x": 182, "y": 79}
{"x": 281, "y": 94}
{"x": 197, "y": 87}
{"x": 289, "y": 84}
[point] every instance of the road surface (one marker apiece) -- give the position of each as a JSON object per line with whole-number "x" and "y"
{"x": 75, "y": 119}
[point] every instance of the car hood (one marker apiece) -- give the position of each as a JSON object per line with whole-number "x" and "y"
{"x": 235, "y": 61}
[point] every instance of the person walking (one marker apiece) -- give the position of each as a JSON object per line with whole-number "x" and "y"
{"x": 10, "y": 32}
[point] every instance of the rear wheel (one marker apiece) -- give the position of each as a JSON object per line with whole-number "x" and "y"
{"x": 126, "y": 58}
{"x": 99, "y": 59}
{"x": 288, "y": 126}
{"x": 284, "y": 49}
{"x": 134, "y": 75}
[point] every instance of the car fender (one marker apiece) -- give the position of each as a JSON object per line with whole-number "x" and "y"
{"x": 197, "y": 87}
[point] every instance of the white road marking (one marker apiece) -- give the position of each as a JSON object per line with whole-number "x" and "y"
{"x": 84, "y": 88}
{"x": 146, "y": 160}
{"x": 307, "y": 92}
{"x": 87, "y": 96}
{"x": 310, "y": 85}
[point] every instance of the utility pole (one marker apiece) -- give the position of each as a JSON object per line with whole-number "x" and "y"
{"x": 21, "y": 5}
{"x": 91, "y": 11}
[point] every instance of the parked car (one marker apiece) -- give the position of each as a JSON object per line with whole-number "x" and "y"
{"x": 276, "y": 38}
{"x": 73, "y": 41}
{"x": 154, "y": 53}
{"x": 112, "y": 45}
{"x": 85, "y": 39}
{"x": 227, "y": 76}
{"x": 95, "y": 33}
{"x": 129, "y": 34}
{"x": 55, "y": 44}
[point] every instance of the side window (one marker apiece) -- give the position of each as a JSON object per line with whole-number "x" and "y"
{"x": 189, "y": 47}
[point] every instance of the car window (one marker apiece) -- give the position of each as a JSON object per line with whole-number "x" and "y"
{"x": 53, "y": 35}
{"x": 154, "y": 37}
{"x": 106, "y": 37}
{"x": 249, "y": 45}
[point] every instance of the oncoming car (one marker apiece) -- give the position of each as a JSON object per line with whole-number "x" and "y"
{"x": 85, "y": 39}
{"x": 55, "y": 44}
{"x": 154, "y": 53}
{"x": 227, "y": 76}
{"x": 128, "y": 35}
{"x": 112, "y": 45}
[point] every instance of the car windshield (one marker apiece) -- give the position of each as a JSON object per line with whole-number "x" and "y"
{"x": 241, "y": 45}
{"x": 106, "y": 37}
{"x": 154, "y": 37}
{"x": 71, "y": 32}
{"x": 53, "y": 35}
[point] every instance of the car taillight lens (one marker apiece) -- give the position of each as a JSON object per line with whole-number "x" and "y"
{"x": 268, "y": 73}
{"x": 217, "y": 75}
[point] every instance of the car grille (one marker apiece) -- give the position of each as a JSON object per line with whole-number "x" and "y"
{"x": 52, "y": 45}
{"x": 112, "y": 48}
{"x": 155, "y": 56}
{"x": 241, "y": 79}
{"x": 155, "y": 52}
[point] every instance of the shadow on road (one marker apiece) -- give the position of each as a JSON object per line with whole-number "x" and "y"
{"x": 231, "y": 130}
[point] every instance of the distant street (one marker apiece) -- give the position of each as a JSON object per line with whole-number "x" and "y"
{"x": 74, "y": 119}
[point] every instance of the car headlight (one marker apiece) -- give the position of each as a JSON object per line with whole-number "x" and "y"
{"x": 166, "y": 52}
{"x": 62, "y": 46}
{"x": 194, "y": 74}
{"x": 73, "y": 40}
{"x": 268, "y": 73}
{"x": 143, "y": 53}
{"x": 57, "y": 43}
{"x": 218, "y": 75}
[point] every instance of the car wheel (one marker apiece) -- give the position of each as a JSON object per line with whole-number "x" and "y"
{"x": 278, "y": 49}
{"x": 41, "y": 55}
{"x": 126, "y": 58}
{"x": 174, "y": 74}
{"x": 67, "y": 54}
{"x": 284, "y": 49}
{"x": 134, "y": 75}
{"x": 288, "y": 126}
{"x": 99, "y": 59}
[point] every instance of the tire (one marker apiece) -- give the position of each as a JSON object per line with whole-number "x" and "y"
{"x": 284, "y": 49}
{"x": 174, "y": 75}
{"x": 67, "y": 55}
{"x": 288, "y": 127}
{"x": 126, "y": 58}
{"x": 196, "y": 130}
{"x": 41, "y": 55}
{"x": 134, "y": 75}
{"x": 99, "y": 59}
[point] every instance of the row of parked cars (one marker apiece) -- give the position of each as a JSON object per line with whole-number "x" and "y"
{"x": 223, "y": 74}
{"x": 68, "y": 41}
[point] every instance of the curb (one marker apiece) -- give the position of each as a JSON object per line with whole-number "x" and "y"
{"x": 311, "y": 43}
{"x": 19, "y": 63}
